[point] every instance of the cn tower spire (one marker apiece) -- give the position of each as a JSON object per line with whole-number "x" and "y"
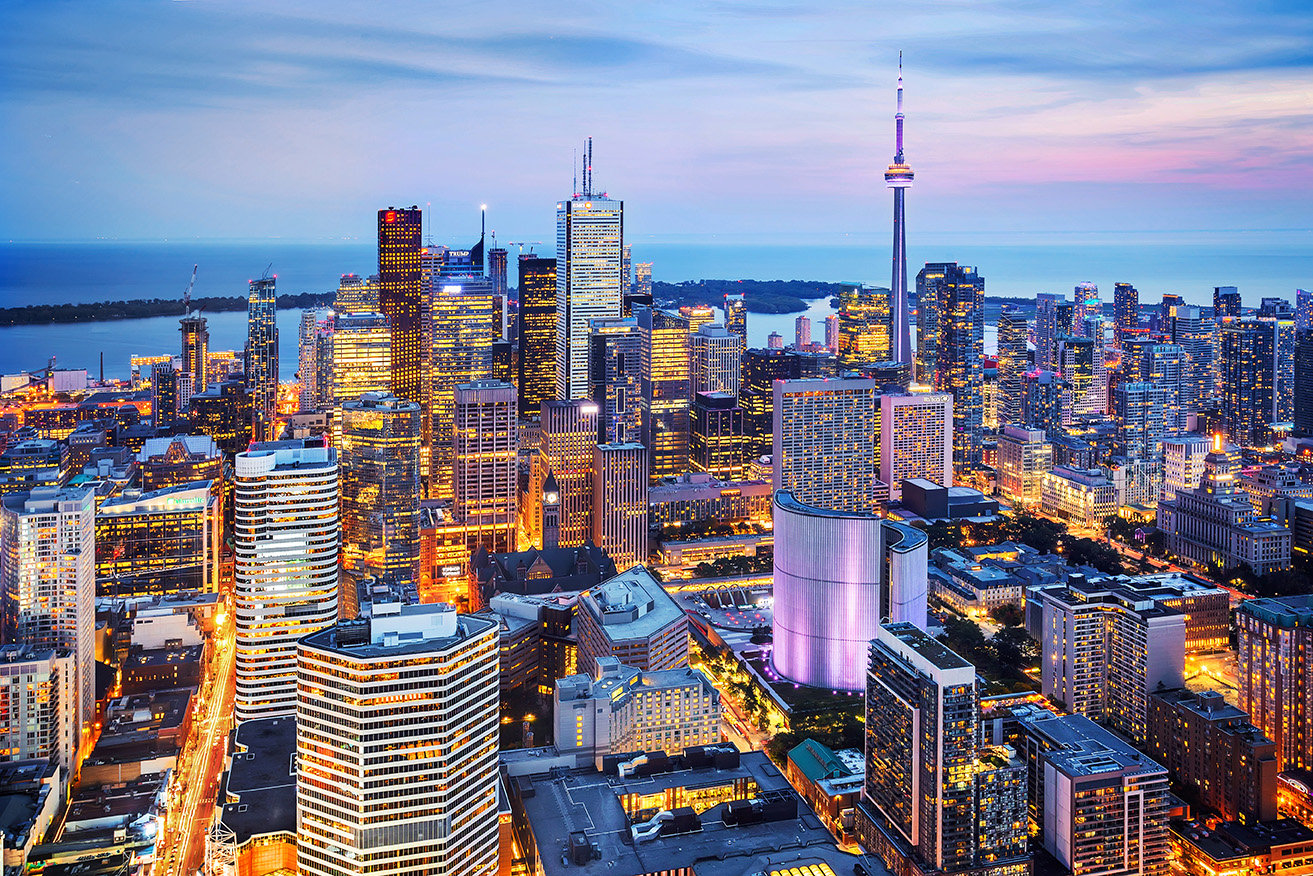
{"x": 899, "y": 178}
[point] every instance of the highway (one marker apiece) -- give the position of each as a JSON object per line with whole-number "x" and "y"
{"x": 182, "y": 846}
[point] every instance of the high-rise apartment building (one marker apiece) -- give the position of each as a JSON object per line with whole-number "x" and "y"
{"x": 362, "y": 806}
{"x": 590, "y": 237}
{"x": 1125, "y": 312}
{"x": 195, "y": 350}
{"x": 48, "y": 580}
{"x": 825, "y": 449}
{"x": 164, "y": 395}
{"x": 1043, "y": 399}
{"x": 285, "y": 574}
{"x": 569, "y": 434}
{"x": 1105, "y": 650}
{"x": 1248, "y": 357}
{"x": 1081, "y": 367}
{"x": 262, "y": 354}
{"x": 537, "y": 334}
{"x": 1013, "y": 333}
{"x": 1087, "y": 311}
{"x": 716, "y": 359}
{"x": 960, "y": 359}
{"x": 832, "y": 334}
{"x": 380, "y": 457}
{"x": 718, "y": 443}
{"x": 667, "y": 390}
{"x": 1167, "y": 367}
{"x": 802, "y": 332}
{"x": 1140, "y": 413}
{"x": 736, "y": 317}
{"x": 615, "y": 377}
{"x": 1188, "y": 330}
{"x": 1274, "y": 672}
{"x": 314, "y": 346}
{"x": 1099, "y": 806}
{"x": 1303, "y": 310}
{"x": 930, "y": 790}
{"x": 1183, "y": 463}
{"x": 485, "y": 448}
{"x": 1024, "y": 456}
{"x": 400, "y": 296}
{"x": 1226, "y": 302}
{"x": 356, "y": 294}
{"x": 38, "y": 699}
{"x": 619, "y": 502}
{"x": 916, "y": 439}
{"x": 464, "y": 331}
{"x": 1047, "y": 328}
{"x": 864, "y": 325}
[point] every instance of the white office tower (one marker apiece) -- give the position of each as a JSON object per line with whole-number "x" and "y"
{"x": 916, "y": 439}
{"x": 398, "y": 779}
{"x": 1183, "y": 463}
{"x": 286, "y": 545}
{"x": 826, "y": 451}
{"x": 590, "y": 240}
{"x": 716, "y": 355}
{"x": 837, "y": 575}
{"x": 48, "y": 572}
{"x": 620, "y": 502}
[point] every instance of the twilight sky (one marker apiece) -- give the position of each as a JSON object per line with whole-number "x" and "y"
{"x": 142, "y": 119}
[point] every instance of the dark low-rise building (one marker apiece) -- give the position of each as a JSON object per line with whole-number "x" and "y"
{"x": 535, "y": 572}
{"x": 258, "y": 796}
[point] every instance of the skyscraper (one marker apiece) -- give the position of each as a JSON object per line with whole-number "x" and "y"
{"x": 1013, "y": 330}
{"x": 825, "y": 451}
{"x": 615, "y": 375}
{"x": 1139, "y": 410}
{"x": 619, "y": 502}
{"x": 403, "y": 784}
{"x": 1303, "y": 390}
{"x": 1125, "y": 311}
{"x": 667, "y": 394}
{"x": 761, "y": 368}
{"x": 48, "y": 582}
{"x": 285, "y": 573}
{"x": 1248, "y": 358}
{"x": 356, "y": 294}
{"x": 717, "y": 356}
{"x": 262, "y": 354}
{"x": 311, "y": 343}
{"x": 1047, "y": 328}
{"x": 916, "y": 439}
{"x": 802, "y": 332}
{"x": 641, "y": 291}
{"x": 864, "y": 323}
{"x": 400, "y": 295}
{"x": 1088, "y": 309}
{"x": 961, "y": 359}
{"x": 464, "y": 331}
{"x": 497, "y": 276}
{"x": 1226, "y": 302}
{"x": 899, "y": 178}
{"x": 537, "y": 334}
{"x": 195, "y": 351}
{"x": 717, "y": 442}
{"x": 163, "y": 395}
{"x": 569, "y": 434}
{"x": 736, "y": 317}
{"x": 485, "y": 449}
{"x": 590, "y": 239}
{"x": 1187, "y": 329}
{"x": 1303, "y": 310}
{"x": 380, "y": 456}
{"x": 1043, "y": 400}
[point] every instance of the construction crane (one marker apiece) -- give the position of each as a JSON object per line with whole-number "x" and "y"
{"x": 186, "y": 296}
{"x": 523, "y": 243}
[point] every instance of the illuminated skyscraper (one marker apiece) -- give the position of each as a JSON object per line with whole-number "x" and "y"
{"x": 314, "y": 359}
{"x": 916, "y": 439}
{"x": 398, "y": 783}
{"x": 285, "y": 574}
{"x": 362, "y": 360}
{"x": 1088, "y": 308}
{"x": 960, "y": 356}
{"x": 927, "y": 321}
{"x": 832, "y": 333}
{"x": 899, "y": 178}
{"x": 497, "y": 257}
{"x": 486, "y": 445}
{"x": 569, "y": 434}
{"x": 736, "y": 317}
{"x": 48, "y": 582}
{"x": 761, "y": 368}
{"x": 802, "y": 332}
{"x": 400, "y": 295}
{"x": 641, "y": 290}
{"x": 1226, "y": 302}
{"x": 464, "y": 330}
{"x": 356, "y": 295}
{"x": 379, "y": 452}
{"x": 195, "y": 351}
{"x": 717, "y": 443}
{"x": 1187, "y": 329}
{"x": 615, "y": 374}
{"x": 825, "y": 448}
{"x": 1304, "y": 382}
{"x": 537, "y": 334}
{"x": 164, "y": 395}
{"x": 864, "y": 324}
{"x": 1043, "y": 400}
{"x": 1139, "y": 410}
{"x": 697, "y": 315}
{"x": 1125, "y": 311}
{"x": 667, "y": 394}
{"x": 1013, "y": 330}
{"x": 717, "y": 359}
{"x": 1248, "y": 358}
{"x": 590, "y": 238}
{"x": 262, "y": 354}
{"x": 1047, "y": 328}
{"x": 619, "y": 502}
{"x": 1303, "y": 310}
{"x": 1165, "y": 366}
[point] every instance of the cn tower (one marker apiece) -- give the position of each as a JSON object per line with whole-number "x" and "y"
{"x": 899, "y": 178}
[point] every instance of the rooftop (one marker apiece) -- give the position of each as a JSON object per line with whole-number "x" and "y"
{"x": 263, "y": 778}
{"x": 414, "y": 629}
{"x": 1079, "y": 747}
{"x": 931, "y": 650}
{"x": 632, "y": 605}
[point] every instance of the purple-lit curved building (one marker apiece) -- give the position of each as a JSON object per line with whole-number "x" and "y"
{"x": 838, "y": 575}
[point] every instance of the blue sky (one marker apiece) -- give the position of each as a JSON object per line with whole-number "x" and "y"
{"x": 748, "y": 120}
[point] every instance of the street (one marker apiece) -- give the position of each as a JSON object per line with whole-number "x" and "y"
{"x": 182, "y": 844}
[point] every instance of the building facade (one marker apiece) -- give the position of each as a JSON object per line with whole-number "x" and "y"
{"x": 619, "y": 502}
{"x": 825, "y": 452}
{"x": 630, "y": 617}
{"x": 589, "y": 243}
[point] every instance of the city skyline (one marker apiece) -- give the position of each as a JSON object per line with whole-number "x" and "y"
{"x": 1112, "y": 111}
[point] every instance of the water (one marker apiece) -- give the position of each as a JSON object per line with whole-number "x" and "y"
{"x": 1260, "y": 263}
